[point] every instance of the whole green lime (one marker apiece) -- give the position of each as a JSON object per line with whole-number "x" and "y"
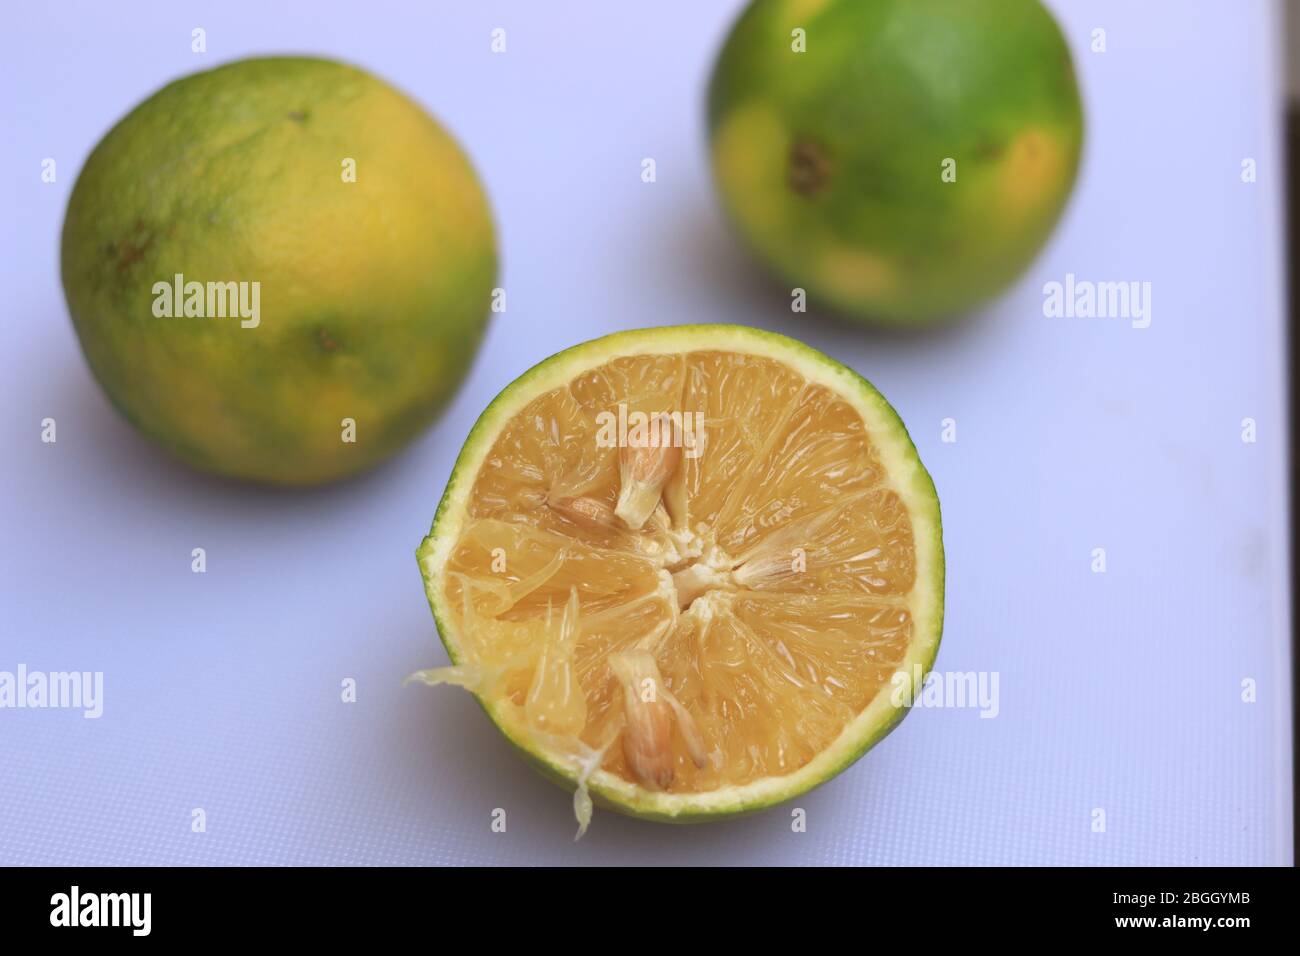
{"x": 899, "y": 160}
{"x": 279, "y": 269}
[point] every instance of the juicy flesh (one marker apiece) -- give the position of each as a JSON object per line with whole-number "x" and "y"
{"x": 759, "y": 608}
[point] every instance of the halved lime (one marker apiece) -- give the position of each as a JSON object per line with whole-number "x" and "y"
{"x": 690, "y": 572}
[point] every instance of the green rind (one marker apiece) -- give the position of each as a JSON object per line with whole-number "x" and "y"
{"x": 677, "y": 339}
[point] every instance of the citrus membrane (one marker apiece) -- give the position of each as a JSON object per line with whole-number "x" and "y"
{"x": 688, "y": 570}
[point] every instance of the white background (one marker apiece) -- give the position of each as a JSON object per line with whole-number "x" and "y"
{"x": 1119, "y": 691}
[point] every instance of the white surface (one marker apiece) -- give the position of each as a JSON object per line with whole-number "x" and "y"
{"x": 1119, "y": 691}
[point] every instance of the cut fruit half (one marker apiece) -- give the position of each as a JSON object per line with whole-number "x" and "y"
{"x": 691, "y": 571}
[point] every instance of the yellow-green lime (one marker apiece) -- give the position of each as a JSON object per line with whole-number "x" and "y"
{"x": 279, "y": 269}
